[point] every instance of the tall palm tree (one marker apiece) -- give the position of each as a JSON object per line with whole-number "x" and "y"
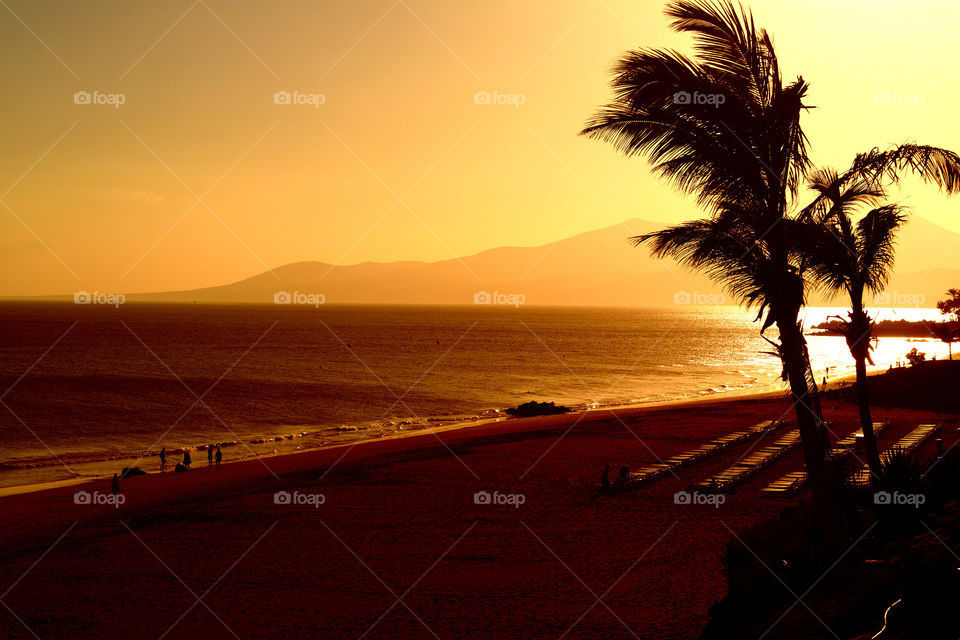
{"x": 725, "y": 128}
{"x": 852, "y": 257}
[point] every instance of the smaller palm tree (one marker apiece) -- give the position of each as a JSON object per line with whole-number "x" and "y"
{"x": 948, "y": 332}
{"x": 852, "y": 256}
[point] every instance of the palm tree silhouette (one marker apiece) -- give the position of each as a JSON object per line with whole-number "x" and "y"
{"x": 725, "y": 128}
{"x": 948, "y": 332}
{"x": 851, "y": 257}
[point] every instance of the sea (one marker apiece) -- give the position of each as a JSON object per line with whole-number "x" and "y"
{"x": 89, "y": 389}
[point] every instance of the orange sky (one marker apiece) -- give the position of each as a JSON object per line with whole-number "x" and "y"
{"x": 199, "y": 178}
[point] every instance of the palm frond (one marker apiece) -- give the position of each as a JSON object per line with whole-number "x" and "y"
{"x": 836, "y": 196}
{"x": 727, "y": 40}
{"x": 720, "y": 126}
{"x": 933, "y": 164}
{"x": 876, "y": 236}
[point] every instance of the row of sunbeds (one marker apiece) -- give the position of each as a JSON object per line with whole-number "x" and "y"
{"x": 760, "y": 459}
{"x": 908, "y": 443}
{"x": 671, "y": 464}
{"x": 751, "y": 464}
{"x": 789, "y": 484}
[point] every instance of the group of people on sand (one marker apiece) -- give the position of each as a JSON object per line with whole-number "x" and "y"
{"x": 214, "y": 456}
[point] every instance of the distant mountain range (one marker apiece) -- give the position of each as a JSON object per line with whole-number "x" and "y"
{"x": 595, "y": 268}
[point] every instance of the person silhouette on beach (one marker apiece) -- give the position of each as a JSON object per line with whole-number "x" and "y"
{"x": 209, "y": 455}
{"x": 219, "y": 457}
{"x": 605, "y": 479}
{"x": 187, "y": 460}
{"x": 115, "y": 484}
{"x": 163, "y": 459}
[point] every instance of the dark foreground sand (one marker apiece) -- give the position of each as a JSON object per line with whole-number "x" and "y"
{"x": 399, "y": 549}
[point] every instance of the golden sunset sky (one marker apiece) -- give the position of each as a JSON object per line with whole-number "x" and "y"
{"x": 200, "y": 179}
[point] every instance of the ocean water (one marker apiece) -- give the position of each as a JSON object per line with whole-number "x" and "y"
{"x": 88, "y": 389}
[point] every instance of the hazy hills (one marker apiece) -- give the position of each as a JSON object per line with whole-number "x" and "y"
{"x": 595, "y": 268}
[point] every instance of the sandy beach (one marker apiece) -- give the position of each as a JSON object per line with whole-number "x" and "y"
{"x": 385, "y": 539}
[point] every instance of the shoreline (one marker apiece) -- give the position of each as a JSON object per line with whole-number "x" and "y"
{"x": 547, "y": 421}
{"x": 732, "y": 395}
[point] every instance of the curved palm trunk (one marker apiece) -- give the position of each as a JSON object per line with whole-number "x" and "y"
{"x": 812, "y": 437}
{"x": 866, "y": 422}
{"x": 859, "y": 342}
